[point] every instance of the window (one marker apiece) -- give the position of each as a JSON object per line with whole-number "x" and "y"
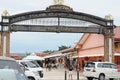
{"x": 106, "y": 65}
{"x": 100, "y": 65}
{"x": 90, "y": 65}
{"x": 113, "y": 66}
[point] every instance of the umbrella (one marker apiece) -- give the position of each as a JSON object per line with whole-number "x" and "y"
{"x": 33, "y": 57}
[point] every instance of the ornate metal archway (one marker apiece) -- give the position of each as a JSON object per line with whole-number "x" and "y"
{"x": 56, "y": 18}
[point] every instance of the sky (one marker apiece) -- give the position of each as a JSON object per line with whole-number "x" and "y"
{"x": 22, "y": 42}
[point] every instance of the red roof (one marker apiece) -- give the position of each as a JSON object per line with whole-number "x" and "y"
{"x": 14, "y": 55}
{"x": 40, "y": 54}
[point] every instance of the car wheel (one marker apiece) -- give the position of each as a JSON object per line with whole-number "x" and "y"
{"x": 102, "y": 77}
{"x": 89, "y": 78}
{"x": 111, "y": 79}
{"x": 41, "y": 75}
{"x": 31, "y": 78}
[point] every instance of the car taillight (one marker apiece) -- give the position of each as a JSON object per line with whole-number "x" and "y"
{"x": 118, "y": 70}
{"x": 94, "y": 70}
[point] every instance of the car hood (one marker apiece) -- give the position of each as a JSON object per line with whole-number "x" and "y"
{"x": 36, "y": 69}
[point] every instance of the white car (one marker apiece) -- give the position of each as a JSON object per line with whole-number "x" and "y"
{"x": 10, "y": 70}
{"x": 32, "y": 70}
{"x": 101, "y": 71}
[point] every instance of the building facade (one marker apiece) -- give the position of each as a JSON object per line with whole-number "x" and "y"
{"x": 91, "y": 48}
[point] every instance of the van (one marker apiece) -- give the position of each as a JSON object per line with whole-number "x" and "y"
{"x": 101, "y": 71}
{"x": 32, "y": 70}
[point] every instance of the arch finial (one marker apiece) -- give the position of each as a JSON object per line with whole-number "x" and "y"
{"x": 5, "y": 13}
{"x": 58, "y": 2}
{"x": 109, "y": 17}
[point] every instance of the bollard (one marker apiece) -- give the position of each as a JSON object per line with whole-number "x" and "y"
{"x": 78, "y": 74}
{"x": 65, "y": 75}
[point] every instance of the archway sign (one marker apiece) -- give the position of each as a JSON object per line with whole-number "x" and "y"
{"x": 58, "y": 18}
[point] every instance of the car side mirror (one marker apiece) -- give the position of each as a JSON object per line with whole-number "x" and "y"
{"x": 26, "y": 69}
{"x": 22, "y": 67}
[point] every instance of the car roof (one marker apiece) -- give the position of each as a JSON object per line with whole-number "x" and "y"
{"x": 98, "y": 62}
{"x": 23, "y": 60}
{"x": 6, "y": 58}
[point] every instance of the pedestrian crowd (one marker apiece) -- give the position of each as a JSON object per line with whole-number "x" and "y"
{"x": 69, "y": 64}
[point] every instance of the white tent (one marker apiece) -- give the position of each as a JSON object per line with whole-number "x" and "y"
{"x": 54, "y": 55}
{"x": 33, "y": 57}
{"x": 57, "y": 55}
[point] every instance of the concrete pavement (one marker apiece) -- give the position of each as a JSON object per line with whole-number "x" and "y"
{"x": 59, "y": 74}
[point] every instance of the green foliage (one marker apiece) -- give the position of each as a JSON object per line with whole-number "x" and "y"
{"x": 49, "y": 51}
{"x": 28, "y": 53}
{"x": 62, "y": 47}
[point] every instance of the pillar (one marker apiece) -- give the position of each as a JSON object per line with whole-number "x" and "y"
{"x": 109, "y": 45}
{"x": 5, "y": 44}
{"x": 5, "y": 35}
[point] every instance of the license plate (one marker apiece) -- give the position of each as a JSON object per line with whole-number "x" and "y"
{"x": 87, "y": 69}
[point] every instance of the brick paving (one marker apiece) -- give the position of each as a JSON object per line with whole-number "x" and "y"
{"x": 59, "y": 74}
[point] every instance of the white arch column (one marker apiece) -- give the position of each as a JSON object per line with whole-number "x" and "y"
{"x": 5, "y": 35}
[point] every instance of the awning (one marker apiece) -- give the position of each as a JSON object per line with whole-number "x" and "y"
{"x": 89, "y": 55}
{"x": 117, "y": 54}
{"x": 94, "y": 55}
{"x": 54, "y": 55}
{"x": 99, "y": 51}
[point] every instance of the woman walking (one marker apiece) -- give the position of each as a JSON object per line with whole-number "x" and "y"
{"x": 70, "y": 72}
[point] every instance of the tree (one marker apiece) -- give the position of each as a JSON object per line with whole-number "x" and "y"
{"x": 63, "y": 47}
{"x": 49, "y": 51}
{"x": 27, "y": 53}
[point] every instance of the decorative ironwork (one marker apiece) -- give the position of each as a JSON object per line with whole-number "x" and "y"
{"x": 48, "y": 14}
{"x": 58, "y": 29}
{"x": 55, "y": 21}
{"x": 58, "y": 18}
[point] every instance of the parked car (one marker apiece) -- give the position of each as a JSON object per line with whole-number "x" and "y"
{"x": 8, "y": 74}
{"x": 10, "y": 70}
{"x": 32, "y": 70}
{"x": 101, "y": 71}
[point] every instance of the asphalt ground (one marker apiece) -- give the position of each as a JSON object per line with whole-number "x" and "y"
{"x": 59, "y": 74}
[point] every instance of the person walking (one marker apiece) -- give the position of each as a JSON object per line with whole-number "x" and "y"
{"x": 70, "y": 72}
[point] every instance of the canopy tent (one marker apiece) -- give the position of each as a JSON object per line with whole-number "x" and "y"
{"x": 54, "y": 55}
{"x": 33, "y": 57}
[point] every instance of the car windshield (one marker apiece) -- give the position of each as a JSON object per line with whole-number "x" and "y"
{"x": 31, "y": 64}
{"x": 9, "y": 64}
{"x": 90, "y": 65}
{"x": 10, "y": 74}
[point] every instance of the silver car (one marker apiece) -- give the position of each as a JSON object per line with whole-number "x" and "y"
{"x": 11, "y": 66}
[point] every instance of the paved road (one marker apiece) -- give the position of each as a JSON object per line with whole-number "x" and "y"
{"x": 59, "y": 74}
